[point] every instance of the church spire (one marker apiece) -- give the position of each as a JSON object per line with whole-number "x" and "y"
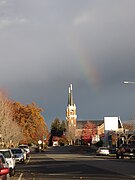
{"x": 71, "y": 102}
{"x": 70, "y": 96}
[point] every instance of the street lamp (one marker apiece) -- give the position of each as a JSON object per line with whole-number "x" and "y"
{"x": 129, "y": 82}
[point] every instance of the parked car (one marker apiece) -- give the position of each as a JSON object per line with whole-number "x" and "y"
{"x": 125, "y": 150}
{"x": 10, "y": 160}
{"x": 19, "y": 154}
{"x": 5, "y": 163}
{"x": 3, "y": 159}
{"x": 102, "y": 151}
{"x": 26, "y": 149}
{"x": 3, "y": 171}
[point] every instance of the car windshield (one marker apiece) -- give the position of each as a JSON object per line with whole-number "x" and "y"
{"x": 7, "y": 154}
{"x": 16, "y": 151}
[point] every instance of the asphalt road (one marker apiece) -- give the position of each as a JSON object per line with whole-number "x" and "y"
{"x": 74, "y": 163}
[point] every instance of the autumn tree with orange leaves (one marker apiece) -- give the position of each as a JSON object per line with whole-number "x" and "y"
{"x": 31, "y": 122}
{"x": 88, "y": 132}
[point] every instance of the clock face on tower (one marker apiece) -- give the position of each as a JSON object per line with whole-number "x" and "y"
{"x": 72, "y": 112}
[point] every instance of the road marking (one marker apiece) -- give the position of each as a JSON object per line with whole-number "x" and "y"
{"x": 20, "y": 176}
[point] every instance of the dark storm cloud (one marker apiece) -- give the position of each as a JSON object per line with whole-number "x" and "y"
{"x": 46, "y": 45}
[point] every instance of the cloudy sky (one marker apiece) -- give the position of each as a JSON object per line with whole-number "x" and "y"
{"x": 46, "y": 44}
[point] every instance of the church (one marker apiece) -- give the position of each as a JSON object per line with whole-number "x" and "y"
{"x": 74, "y": 126}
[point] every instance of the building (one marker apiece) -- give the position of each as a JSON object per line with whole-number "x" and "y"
{"x": 71, "y": 117}
{"x": 76, "y": 127}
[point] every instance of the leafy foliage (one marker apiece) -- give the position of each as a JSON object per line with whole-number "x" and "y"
{"x": 19, "y": 123}
{"x": 57, "y": 127}
{"x": 88, "y": 132}
{"x": 57, "y": 130}
{"x": 31, "y": 121}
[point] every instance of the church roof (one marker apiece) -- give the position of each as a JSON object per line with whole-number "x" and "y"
{"x": 80, "y": 123}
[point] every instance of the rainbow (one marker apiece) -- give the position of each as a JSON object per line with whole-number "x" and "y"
{"x": 90, "y": 71}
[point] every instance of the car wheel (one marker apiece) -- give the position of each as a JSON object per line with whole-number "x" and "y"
{"x": 12, "y": 172}
{"x": 117, "y": 156}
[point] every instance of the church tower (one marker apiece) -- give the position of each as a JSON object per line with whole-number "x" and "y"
{"x": 71, "y": 117}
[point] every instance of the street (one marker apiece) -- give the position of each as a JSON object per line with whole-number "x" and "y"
{"x": 65, "y": 163}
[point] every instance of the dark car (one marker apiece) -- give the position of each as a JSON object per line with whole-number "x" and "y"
{"x": 18, "y": 154}
{"x": 125, "y": 150}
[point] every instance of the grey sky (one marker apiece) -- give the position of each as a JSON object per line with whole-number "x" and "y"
{"x": 46, "y": 44}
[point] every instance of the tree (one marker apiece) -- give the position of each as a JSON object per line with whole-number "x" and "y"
{"x": 88, "y": 132}
{"x": 63, "y": 126}
{"x": 57, "y": 130}
{"x": 124, "y": 136}
{"x": 31, "y": 121}
{"x": 10, "y": 131}
{"x": 55, "y": 127}
{"x": 71, "y": 134}
{"x": 128, "y": 132}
